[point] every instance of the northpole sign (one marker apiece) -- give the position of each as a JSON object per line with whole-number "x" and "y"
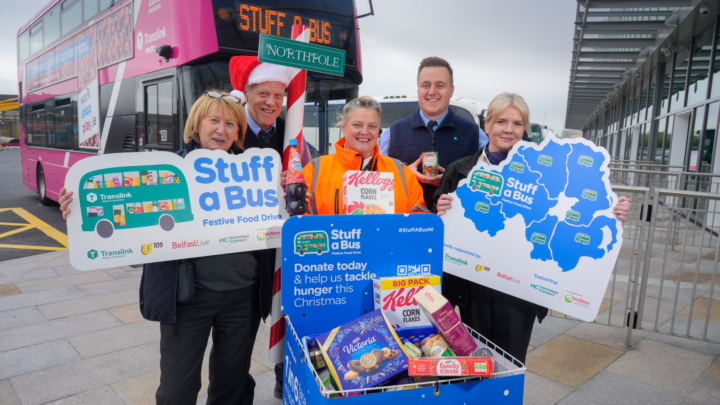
{"x": 287, "y": 52}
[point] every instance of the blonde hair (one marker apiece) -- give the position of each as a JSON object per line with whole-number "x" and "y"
{"x": 206, "y": 104}
{"x": 360, "y": 102}
{"x": 503, "y": 101}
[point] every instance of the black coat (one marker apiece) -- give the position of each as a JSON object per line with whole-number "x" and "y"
{"x": 454, "y": 287}
{"x": 158, "y": 286}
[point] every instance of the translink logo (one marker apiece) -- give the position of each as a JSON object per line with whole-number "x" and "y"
{"x": 92, "y": 197}
{"x": 92, "y": 254}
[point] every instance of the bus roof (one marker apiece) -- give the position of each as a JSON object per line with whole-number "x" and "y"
{"x": 38, "y": 15}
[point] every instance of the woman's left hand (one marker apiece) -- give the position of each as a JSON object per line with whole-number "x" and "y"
{"x": 622, "y": 208}
{"x": 444, "y": 204}
{"x": 283, "y": 179}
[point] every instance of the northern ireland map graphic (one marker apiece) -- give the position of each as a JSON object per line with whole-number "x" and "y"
{"x": 560, "y": 191}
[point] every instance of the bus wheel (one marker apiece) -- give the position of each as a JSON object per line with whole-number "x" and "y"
{"x": 42, "y": 190}
{"x": 167, "y": 223}
{"x": 105, "y": 229}
{"x": 302, "y": 252}
{"x": 319, "y": 251}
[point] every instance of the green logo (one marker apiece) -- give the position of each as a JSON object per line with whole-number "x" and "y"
{"x": 589, "y": 195}
{"x": 568, "y": 298}
{"x": 455, "y": 260}
{"x": 585, "y": 160}
{"x": 92, "y": 197}
{"x": 482, "y": 207}
{"x": 260, "y": 236}
{"x": 572, "y": 215}
{"x": 517, "y": 167}
{"x": 487, "y": 182}
{"x": 538, "y": 238}
{"x": 582, "y": 238}
{"x": 545, "y": 160}
{"x": 92, "y": 254}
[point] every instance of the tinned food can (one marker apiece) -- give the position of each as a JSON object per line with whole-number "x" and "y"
{"x": 430, "y": 162}
{"x": 317, "y": 359}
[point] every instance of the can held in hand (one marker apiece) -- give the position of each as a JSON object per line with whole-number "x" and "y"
{"x": 430, "y": 163}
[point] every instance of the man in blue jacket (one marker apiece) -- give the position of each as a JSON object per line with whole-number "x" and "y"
{"x": 432, "y": 128}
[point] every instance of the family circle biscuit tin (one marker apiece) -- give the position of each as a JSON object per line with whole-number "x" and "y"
{"x": 363, "y": 353}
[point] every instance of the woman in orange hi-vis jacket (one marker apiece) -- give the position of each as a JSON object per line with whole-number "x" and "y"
{"x": 358, "y": 150}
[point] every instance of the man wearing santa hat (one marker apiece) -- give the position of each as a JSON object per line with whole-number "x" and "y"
{"x": 262, "y": 86}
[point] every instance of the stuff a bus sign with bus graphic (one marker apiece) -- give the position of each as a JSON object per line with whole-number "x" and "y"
{"x": 208, "y": 203}
{"x": 311, "y": 242}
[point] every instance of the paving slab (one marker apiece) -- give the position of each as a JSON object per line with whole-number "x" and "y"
{"x": 99, "y": 396}
{"x": 550, "y": 328}
{"x": 700, "y": 310}
{"x": 69, "y": 270}
{"x": 88, "y": 304}
{"x": 74, "y": 378}
{"x": 13, "y": 267}
{"x": 697, "y": 328}
{"x": 570, "y": 360}
{"x": 714, "y": 369}
{"x": 38, "y": 357}
{"x": 20, "y": 317}
{"x": 7, "y": 394}
{"x": 261, "y": 351}
{"x": 124, "y": 272}
{"x": 608, "y": 388}
{"x": 111, "y": 286}
{"x": 706, "y": 390}
{"x": 139, "y": 390}
{"x": 264, "y": 389}
{"x": 543, "y": 391}
{"x": 650, "y": 362}
{"x": 110, "y": 340}
{"x": 711, "y": 349}
{"x": 37, "y": 333}
{"x": 39, "y": 298}
{"x": 63, "y": 281}
{"x": 8, "y": 289}
{"x": 609, "y": 336}
{"x": 29, "y": 275}
{"x": 127, "y": 313}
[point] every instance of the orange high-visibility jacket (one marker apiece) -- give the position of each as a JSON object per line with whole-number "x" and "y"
{"x": 327, "y": 172}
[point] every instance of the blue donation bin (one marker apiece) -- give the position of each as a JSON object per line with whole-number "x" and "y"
{"x": 328, "y": 263}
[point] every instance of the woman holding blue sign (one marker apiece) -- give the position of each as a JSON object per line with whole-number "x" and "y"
{"x": 224, "y": 294}
{"x": 504, "y": 319}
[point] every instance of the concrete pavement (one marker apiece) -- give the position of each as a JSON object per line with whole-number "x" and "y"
{"x": 72, "y": 337}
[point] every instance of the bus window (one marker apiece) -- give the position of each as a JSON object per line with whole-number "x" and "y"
{"x": 151, "y": 120}
{"x": 392, "y": 112}
{"x": 38, "y": 125}
{"x": 70, "y": 16}
{"x": 89, "y": 9}
{"x": 24, "y": 45}
{"x": 36, "y": 38}
{"x": 51, "y": 20}
{"x": 537, "y": 135}
{"x": 461, "y": 112}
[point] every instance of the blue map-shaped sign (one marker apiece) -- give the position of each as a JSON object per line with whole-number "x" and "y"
{"x": 538, "y": 225}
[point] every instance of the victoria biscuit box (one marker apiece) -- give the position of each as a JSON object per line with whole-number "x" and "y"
{"x": 446, "y": 320}
{"x": 396, "y": 297}
{"x": 363, "y": 353}
{"x": 368, "y": 192}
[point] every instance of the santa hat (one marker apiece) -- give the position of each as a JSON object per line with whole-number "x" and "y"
{"x": 247, "y": 70}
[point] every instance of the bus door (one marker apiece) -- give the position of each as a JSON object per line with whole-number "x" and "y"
{"x": 157, "y": 119}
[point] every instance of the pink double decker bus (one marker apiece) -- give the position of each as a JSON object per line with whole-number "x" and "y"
{"x": 114, "y": 76}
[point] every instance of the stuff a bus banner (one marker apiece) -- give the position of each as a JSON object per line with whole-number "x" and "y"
{"x": 151, "y": 207}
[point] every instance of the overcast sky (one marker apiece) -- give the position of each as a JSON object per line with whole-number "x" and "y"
{"x": 521, "y": 46}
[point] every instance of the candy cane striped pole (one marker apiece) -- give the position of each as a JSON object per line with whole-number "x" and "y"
{"x": 293, "y": 130}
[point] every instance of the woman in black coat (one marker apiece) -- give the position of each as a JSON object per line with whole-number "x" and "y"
{"x": 504, "y": 319}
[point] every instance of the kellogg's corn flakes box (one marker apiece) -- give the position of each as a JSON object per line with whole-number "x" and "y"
{"x": 368, "y": 192}
{"x": 396, "y": 297}
{"x": 363, "y": 353}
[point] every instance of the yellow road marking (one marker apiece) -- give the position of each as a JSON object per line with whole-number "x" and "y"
{"x": 33, "y": 222}
{"x": 30, "y": 247}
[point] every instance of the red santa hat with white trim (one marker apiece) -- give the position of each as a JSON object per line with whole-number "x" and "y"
{"x": 248, "y": 70}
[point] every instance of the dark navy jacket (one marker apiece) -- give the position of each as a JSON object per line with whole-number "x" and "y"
{"x": 158, "y": 286}
{"x": 455, "y": 138}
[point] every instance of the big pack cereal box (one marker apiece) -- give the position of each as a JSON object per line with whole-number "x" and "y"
{"x": 446, "y": 320}
{"x": 368, "y": 192}
{"x": 396, "y": 297}
{"x": 363, "y": 353}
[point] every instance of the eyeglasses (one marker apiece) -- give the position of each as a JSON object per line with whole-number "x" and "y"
{"x": 215, "y": 94}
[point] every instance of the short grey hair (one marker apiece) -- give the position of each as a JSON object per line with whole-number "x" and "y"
{"x": 360, "y": 102}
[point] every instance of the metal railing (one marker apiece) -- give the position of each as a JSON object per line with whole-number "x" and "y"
{"x": 645, "y": 166}
{"x": 645, "y": 178}
{"x": 703, "y": 182}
